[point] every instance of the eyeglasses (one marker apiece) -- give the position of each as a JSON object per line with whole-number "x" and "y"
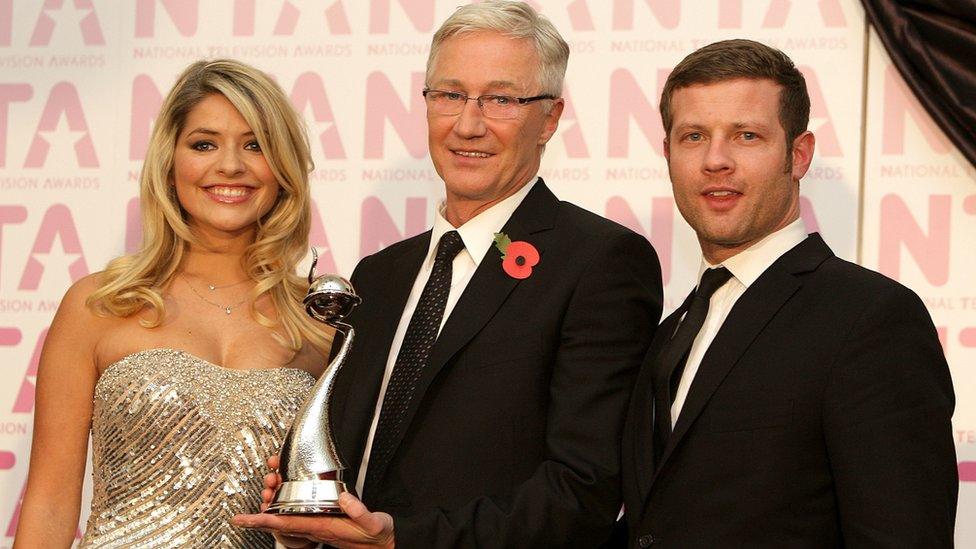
{"x": 492, "y": 106}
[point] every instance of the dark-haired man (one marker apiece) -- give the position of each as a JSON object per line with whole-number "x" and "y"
{"x": 794, "y": 399}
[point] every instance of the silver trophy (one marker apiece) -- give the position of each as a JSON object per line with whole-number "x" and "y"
{"x": 310, "y": 468}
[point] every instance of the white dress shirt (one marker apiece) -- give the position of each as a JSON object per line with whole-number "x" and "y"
{"x": 745, "y": 266}
{"x": 478, "y": 235}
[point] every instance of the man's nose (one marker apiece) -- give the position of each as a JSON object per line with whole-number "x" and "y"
{"x": 471, "y": 122}
{"x": 718, "y": 157}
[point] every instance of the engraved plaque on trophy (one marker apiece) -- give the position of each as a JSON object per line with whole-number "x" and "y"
{"x": 310, "y": 467}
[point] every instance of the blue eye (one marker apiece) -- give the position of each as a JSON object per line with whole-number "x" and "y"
{"x": 749, "y": 136}
{"x": 502, "y": 100}
{"x": 694, "y": 136}
{"x": 454, "y": 96}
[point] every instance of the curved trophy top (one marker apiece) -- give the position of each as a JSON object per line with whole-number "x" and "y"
{"x": 330, "y": 298}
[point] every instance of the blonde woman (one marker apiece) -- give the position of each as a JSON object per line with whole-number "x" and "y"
{"x": 188, "y": 359}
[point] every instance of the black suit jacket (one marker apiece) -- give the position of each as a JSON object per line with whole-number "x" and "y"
{"x": 513, "y": 438}
{"x": 819, "y": 417}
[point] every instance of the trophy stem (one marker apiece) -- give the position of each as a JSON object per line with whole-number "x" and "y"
{"x": 308, "y": 455}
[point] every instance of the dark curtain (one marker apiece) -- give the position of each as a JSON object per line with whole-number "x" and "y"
{"x": 933, "y": 44}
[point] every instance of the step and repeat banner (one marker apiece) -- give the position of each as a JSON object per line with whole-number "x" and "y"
{"x": 82, "y": 80}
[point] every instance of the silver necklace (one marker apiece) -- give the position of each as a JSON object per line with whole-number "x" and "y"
{"x": 213, "y": 287}
{"x": 227, "y": 308}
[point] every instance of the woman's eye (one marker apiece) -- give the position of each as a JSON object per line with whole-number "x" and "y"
{"x": 253, "y": 146}
{"x": 202, "y": 146}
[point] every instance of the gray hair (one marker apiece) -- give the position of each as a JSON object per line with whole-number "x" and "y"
{"x": 516, "y": 20}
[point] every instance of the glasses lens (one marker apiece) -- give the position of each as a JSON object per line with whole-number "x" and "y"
{"x": 442, "y": 102}
{"x": 499, "y": 106}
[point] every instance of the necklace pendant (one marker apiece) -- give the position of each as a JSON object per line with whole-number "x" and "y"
{"x": 212, "y": 287}
{"x": 227, "y": 310}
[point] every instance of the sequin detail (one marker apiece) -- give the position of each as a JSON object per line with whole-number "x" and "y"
{"x": 179, "y": 446}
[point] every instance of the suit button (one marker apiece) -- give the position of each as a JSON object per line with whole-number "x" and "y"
{"x": 645, "y": 541}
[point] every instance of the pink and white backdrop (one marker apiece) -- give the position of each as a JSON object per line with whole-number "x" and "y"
{"x": 82, "y": 80}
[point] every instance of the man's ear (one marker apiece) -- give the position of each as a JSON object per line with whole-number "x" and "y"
{"x": 552, "y": 120}
{"x": 802, "y": 154}
{"x": 667, "y": 150}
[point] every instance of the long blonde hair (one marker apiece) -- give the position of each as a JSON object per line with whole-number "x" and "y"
{"x": 134, "y": 282}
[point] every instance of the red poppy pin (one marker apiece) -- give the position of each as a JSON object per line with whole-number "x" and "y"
{"x": 518, "y": 257}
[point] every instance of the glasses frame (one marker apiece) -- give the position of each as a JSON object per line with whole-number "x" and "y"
{"x": 519, "y": 101}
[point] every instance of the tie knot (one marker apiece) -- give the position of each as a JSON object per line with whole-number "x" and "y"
{"x": 712, "y": 280}
{"x": 449, "y": 246}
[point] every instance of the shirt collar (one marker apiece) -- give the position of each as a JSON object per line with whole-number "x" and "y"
{"x": 749, "y": 264}
{"x": 478, "y": 234}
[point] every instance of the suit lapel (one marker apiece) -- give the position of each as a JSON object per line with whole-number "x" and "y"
{"x": 484, "y": 294}
{"x": 490, "y": 286}
{"x": 642, "y": 403}
{"x": 368, "y": 376}
{"x": 750, "y": 314}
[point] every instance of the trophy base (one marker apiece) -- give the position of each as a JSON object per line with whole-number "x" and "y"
{"x": 308, "y": 497}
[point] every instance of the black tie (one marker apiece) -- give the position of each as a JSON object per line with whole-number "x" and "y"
{"x": 412, "y": 358}
{"x": 671, "y": 360}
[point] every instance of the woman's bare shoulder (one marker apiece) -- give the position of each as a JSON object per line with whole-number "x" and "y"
{"x": 76, "y": 315}
{"x": 86, "y": 285}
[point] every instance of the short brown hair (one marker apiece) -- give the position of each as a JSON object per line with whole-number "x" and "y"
{"x": 731, "y": 59}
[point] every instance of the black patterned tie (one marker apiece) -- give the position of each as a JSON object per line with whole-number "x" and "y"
{"x": 412, "y": 358}
{"x": 672, "y": 358}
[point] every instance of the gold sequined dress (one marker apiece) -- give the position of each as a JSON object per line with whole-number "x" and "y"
{"x": 179, "y": 446}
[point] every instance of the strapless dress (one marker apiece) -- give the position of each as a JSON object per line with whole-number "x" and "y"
{"x": 179, "y": 446}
